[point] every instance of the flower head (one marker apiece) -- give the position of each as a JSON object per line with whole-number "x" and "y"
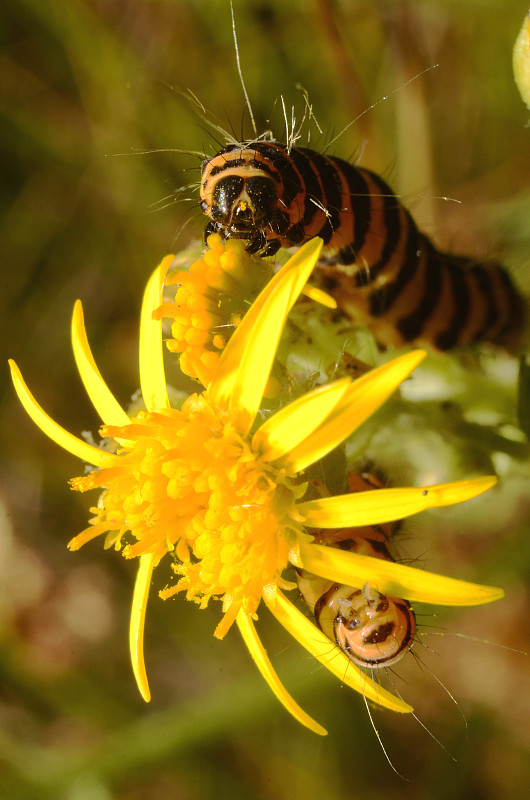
{"x": 224, "y": 492}
{"x": 210, "y": 302}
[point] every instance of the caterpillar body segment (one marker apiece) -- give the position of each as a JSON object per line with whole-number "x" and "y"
{"x": 372, "y": 629}
{"x": 382, "y": 271}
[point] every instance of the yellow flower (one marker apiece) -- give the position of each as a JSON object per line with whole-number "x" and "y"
{"x": 221, "y": 490}
{"x": 211, "y": 299}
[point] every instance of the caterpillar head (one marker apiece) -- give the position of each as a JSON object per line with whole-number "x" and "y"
{"x": 372, "y": 629}
{"x": 240, "y": 203}
{"x": 240, "y": 196}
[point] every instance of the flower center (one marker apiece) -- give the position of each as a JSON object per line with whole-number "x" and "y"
{"x": 189, "y": 483}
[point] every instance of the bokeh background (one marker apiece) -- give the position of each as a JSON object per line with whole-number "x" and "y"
{"x": 83, "y": 81}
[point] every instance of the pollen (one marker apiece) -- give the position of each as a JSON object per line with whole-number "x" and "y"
{"x": 188, "y": 482}
{"x": 210, "y": 300}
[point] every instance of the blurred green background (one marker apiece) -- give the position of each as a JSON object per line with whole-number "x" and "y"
{"x": 82, "y": 81}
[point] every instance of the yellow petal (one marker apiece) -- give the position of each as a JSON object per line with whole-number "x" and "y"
{"x": 257, "y": 651}
{"x": 318, "y": 644}
{"x": 364, "y": 397}
{"x": 288, "y": 427}
{"x": 396, "y": 580}
{"x": 152, "y": 374}
{"x": 521, "y": 61}
{"x": 245, "y": 363}
{"x": 137, "y": 623}
{"x": 319, "y": 296}
{"x": 384, "y": 505}
{"x": 104, "y": 401}
{"x": 78, "y": 447}
{"x": 196, "y": 368}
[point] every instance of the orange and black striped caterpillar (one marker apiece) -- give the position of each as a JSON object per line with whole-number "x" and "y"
{"x": 381, "y": 270}
{"x": 373, "y": 630}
